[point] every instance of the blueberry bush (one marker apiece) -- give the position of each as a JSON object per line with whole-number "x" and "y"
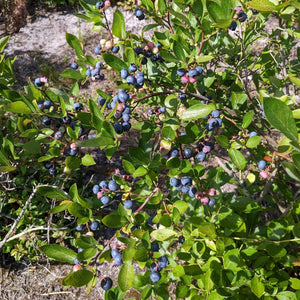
{"x": 206, "y": 204}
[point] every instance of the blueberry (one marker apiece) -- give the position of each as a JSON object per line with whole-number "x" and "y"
{"x": 118, "y": 128}
{"x": 154, "y": 247}
{"x": 99, "y": 65}
{"x": 162, "y": 110}
{"x": 124, "y": 73}
{"x": 261, "y": 164}
{"x": 74, "y": 66}
{"x": 253, "y": 133}
{"x": 174, "y": 152}
{"x": 67, "y": 120}
{"x": 215, "y": 113}
{"x": 181, "y": 72}
{"x": 131, "y": 80}
{"x": 144, "y": 61}
{"x": 79, "y": 227}
{"x": 115, "y": 49}
{"x": 103, "y": 184}
{"x": 211, "y": 202}
{"x": 149, "y": 221}
{"x": 123, "y": 96}
{"x": 192, "y": 192}
{"x": 96, "y": 189}
{"x": 199, "y": 70}
{"x": 101, "y": 101}
{"x": 52, "y": 171}
{"x": 118, "y": 260}
{"x": 125, "y": 117}
{"x": 132, "y": 68}
{"x": 186, "y": 180}
{"x": 106, "y": 283}
{"x": 95, "y": 225}
{"x": 138, "y": 50}
{"x": 182, "y": 97}
{"x": 76, "y": 261}
{"x": 212, "y": 123}
{"x": 128, "y": 204}
{"x": 100, "y": 4}
{"x": 38, "y": 82}
{"x": 188, "y": 152}
{"x": 113, "y": 186}
{"x": 140, "y": 81}
{"x": 163, "y": 262}
{"x": 97, "y": 50}
{"x": 154, "y": 267}
{"x": 181, "y": 239}
{"x": 115, "y": 253}
{"x": 47, "y": 104}
{"x": 48, "y": 165}
{"x": 104, "y": 200}
{"x": 193, "y": 73}
{"x": 77, "y": 106}
{"x": 233, "y": 26}
{"x": 242, "y": 16}
{"x": 219, "y": 122}
{"x": 46, "y": 121}
{"x": 79, "y": 250}
{"x": 206, "y": 149}
{"x": 126, "y": 110}
{"x": 201, "y": 156}
{"x": 185, "y": 189}
{"x": 174, "y": 181}
{"x": 139, "y": 14}
{"x": 88, "y": 72}
{"x": 155, "y": 276}
{"x": 148, "y": 53}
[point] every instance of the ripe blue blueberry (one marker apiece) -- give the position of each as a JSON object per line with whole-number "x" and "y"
{"x": 132, "y": 68}
{"x": 104, "y": 200}
{"x": 162, "y": 110}
{"x": 118, "y": 128}
{"x": 192, "y": 192}
{"x": 128, "y": 204}
{"x": 144, "y": 61}
{"x": 123, "y": 96}
{"x": 47, "y": 104}
{"x": 163, "y": 262}
{"x": 72, "y": 152}
{"x": 188, "y": 152}
{"x": 261, "y": 164}
{"x": 97, "y": 50}
{"x": 118, "y": 260}
{"x": 181, "y": 72}
{"x": 113, "y": 186}
{"x": 95, "y": 225}
{"x": 186, "y": 180}
{"x": 76, "y": 261}
{"x": 103, "y": 184}
{"x": 154, "y": 247}
{"x": 38, "y": 82}
{"x": 242, "y": 16}
{"x": 115, "y": 253}
{"x": 252, "y": 133}
{"x": 77, "y": 106}
{"x": 193, "y": 73}
{"x": 212, "y": 123}
{"x": 211, "y": 202}
{"x": 215, "y": 113}
{"x": 131, "y": 80}
{"x": 115, "y": 49}
{"x": 88, "y": 72}
{"x": 138, "y": 50}
{"x": 154, "y": 267}
{"x": 96, "y": 188}
{"x": 52, "y": 171}
{"x": 79, "y": 227}
{"x": 101, "y": 101}
{"x": 99, "y": 65}
{"x": 201, "y": 156}
{"x": 155, "y": 276}
{"x": 140, "y": 80}
{"x": 182, "y": 97}
{"x": 185, "y": 189}
{"x": 139, "y": 14}
{"x": 174, "y": 152}
{"x": 46, "y": 121}
{"x": 233, "y": 26}
{"x": 174, "y": 181}
{"x": 199, "y": 70}
{"x": 181, "y": 239}
{"x": 106, "y": 283}
{"x": 74, "y": 66}
{"x": 125, "y": 117}
{"x": 149, "y": 221}
{"x": 124, "y": 73}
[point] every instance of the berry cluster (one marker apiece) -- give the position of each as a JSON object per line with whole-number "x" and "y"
{"x": 189, "y": 75}
{"x": 103, "y": 187}
{"x": 214, "y": 120}
{"x": 184, "y": 185}
{"x": 157, "y": 111}
{"x": 139, "y": 14}
{"x": 102, "y": 4}
{"x": 151, "y": 51}
{"x": 116, "y": 254}
{"x": 106, "y": 46}
{"x": 40, "y": 81}
{"x": 156, "y": 267}
{"x": 132, "y": 77}
{"x": 240, "y": 15}
{"x": 95, "y": 72}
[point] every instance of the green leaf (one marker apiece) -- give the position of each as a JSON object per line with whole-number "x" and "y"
{"x": 197, "y": 7}
{"x": 61, "y": 207}
{"x": 78, "y": 278}
{"x": 295, "y": 81}
{"x": 76, "y": 210}
{"x": 178, "y": 51}
{"x": 257, "y": 287}
{"x": 95, "y": 142}
{"x": 116, "y": 63}
{"x": 203, "y": 58}
{"x": 126, "y": 276}
{"x": 221, "y": 14}
{"x": 114, "y": 220}
{"x": 223, "y": 141}
{"x": 295, "y": 283}
{"x": 196, "y": 112}
{"x": 87, "y": 253}
{"x": 72, "y": 162}
{"x": 163, "y": 234}
{"x": 3, "y": 42}
{"x": 128, "y": 166}
{"x": 237, "y": 158}
{"x": 86, "y": 242}
{"x": 71, "y": 73}
{"x": 118, "y": 26}
{"x": 253, "y": 141}
{"x": 291, "y": 170}
{"x": 296, "y": 160}
{"x": 287, "y": 295}
{"x": 52, "y": 192}
{"x": 137, "y": 154}
{"x": 168, "y": 133}
{"x": 280, "y": 116}
{"x": 74, "y": 43}
{"x": 232, "y": 259}
{"x": 161, "y": 6}
{"x": 59, "y": 253}
{"x": 247, "y": 119}
{"x": 262, "y": 5}
{"x": 87, "y": 160}
{"x": 17, "y": 107}
{"x": 139, "y": 172}
{"x": 7, "y": 169}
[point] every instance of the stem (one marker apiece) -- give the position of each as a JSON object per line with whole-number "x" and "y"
{"x": 107, "y": 27}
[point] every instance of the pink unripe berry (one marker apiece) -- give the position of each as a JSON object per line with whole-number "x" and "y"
{"x": 99, "y": 195}
{"x": 120, "y": 107}
{"x": 155, "y": 50}
{"x": 138, "y": 2}
{"x": 73, "y": 146}
{"x": 184, "y": 79}
{"x": 238, "y": 9}
{"x": 206, "y": 149}
{"x": 107, "y": 3}
{"x": 77, "y": 268}
{"x": 150, "y": 45}
{"x": 193, "y": 79}
{"x": 102, "y": 42}
{"x": 263, "y": 174}
{"x": 108, "y": 45}
{"x": 204, "y": 200}
{"x": 212, "y": 192}
{"x": 114, "y": 246}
